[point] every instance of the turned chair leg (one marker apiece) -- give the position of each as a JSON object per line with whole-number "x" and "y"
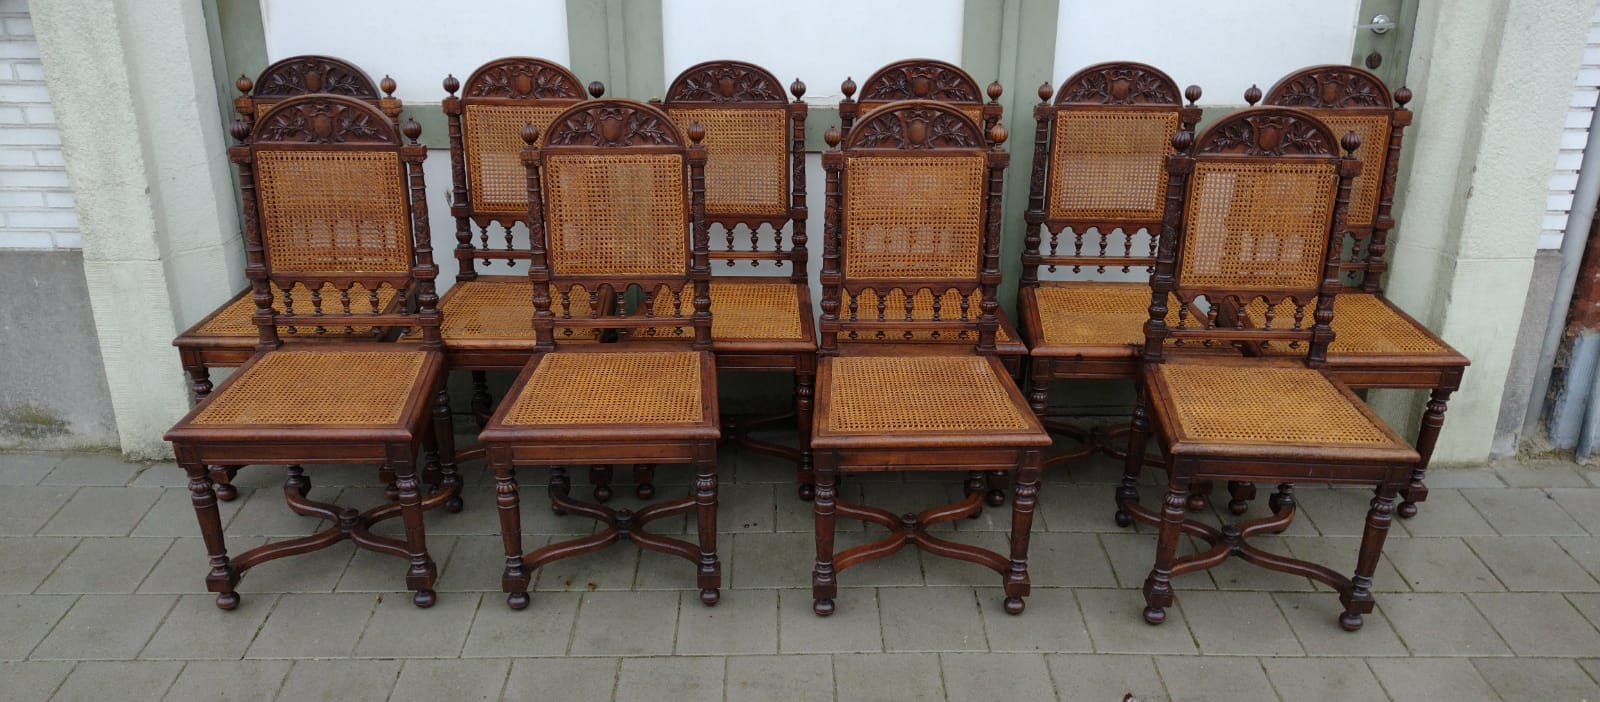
{"x": 804, "y": 383}
{"x": 600, "y": 478}
{"x": 1427, "y": 439}
{"x": 444, "y": 433}
{"x": 221, "y": 476}
{"x": 644, "y": 478}
{"x": 824, "y": 586}
{"x": 1357, "y": 600}
{"x": 1158, "y": 586}
{"x": 709, "y": 576}
{"x": 420, "y": 576}
{"x": 515, "y": 579}
{"x": 1133, "y": 462}
{"x": 559, "y": 485}
{"x": 222, "y": 579}
{"x": 482, "y": 401}
{"x": 1241, "y": 493}
{"x": 1023, "y": 503}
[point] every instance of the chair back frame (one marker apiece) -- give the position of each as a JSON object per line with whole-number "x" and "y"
{"x": 1121, "y": 90}
{"x": 1349, "y": 95}
{"x": 1253, "y": 138}
{"x": 921, "y": 129}
{"x": 617, "y": 129}
{"x": 312, "y": 73}
{"x": 921, "y": 79}
{"x": 725, "y": 85}
{"x": 310, "y": 126}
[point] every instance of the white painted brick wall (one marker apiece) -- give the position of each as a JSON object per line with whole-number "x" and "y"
{"x": 35, "y": 201}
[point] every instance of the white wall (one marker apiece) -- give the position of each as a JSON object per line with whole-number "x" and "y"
{"x": 417, "y": 41}
{"x": 35, "y": 202}
{"x": 1573, "y": 138}
{"x": 1223, "y": 47}
{"x": 822, "y": 42}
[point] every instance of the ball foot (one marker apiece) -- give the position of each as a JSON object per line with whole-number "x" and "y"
{"x": 517, "y": 600}
{"x": 710, "y": 596}
{"x": 1238, "y": 507}
{"x": 424, "y": 599}
{"x": 226, "y": 492}
{"x": 227, "y": 600}
{"x": 1154, "y": 615}
{"x": 602, "y": 493}
{"x": 995, "y": 498}
{"x": 1014, "y": 605}
{"x": 822, "y": 607}
{"x": 1195, "y": 503}
{"x": 807, "y": 492}
{"x": 1123, "y": 519}
{"x": 454, "y": 505}
{"x": 645, "y": 491}
{"x": 1350, "y": 621}
{"x": 1407, "y": 510}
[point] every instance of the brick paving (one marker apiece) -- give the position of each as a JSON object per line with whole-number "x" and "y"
{"x": 1491, "y": 593}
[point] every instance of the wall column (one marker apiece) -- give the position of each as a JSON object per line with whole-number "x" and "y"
{"x": 142, "y": 138}
{"x": 1492, "y": 80}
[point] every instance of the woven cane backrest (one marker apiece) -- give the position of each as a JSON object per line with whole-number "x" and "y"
{"x": 921, "y": 79}
{"x": 332, "y": 196}
{"x": 755, "y": 175}
{"x": 303, "y": 75}
{"x": 1100, "y": 177}
{"x": 913, "y": 215}
{"x": 1350, "y": 99}
{"x": 1255, "y": 209}
{"x": 616, "y": 199}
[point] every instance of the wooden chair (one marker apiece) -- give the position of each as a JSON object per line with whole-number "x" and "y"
{"x": 616, "y": 201}
{"x": 1376, "y": 345}
{"x": 913, "y": 207}
{"x": 488, "y": 316}
{"x": 755, "y": 189}
{"x": 321, "y": 176}
{"x": 226, "y": 338}
{"x": 1255, "y": 212}
{"x": 1094, "y": 209}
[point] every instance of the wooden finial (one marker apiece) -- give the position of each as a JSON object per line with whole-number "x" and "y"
{"x": 995, "y": 90}
{"x": 244, "y": 84}
{"x": 529, "y": 134}
{"x": 848, "y": 87}
{"x": 239, "y": 129}
{"x": 832, "y": 136}
{"x": 387, "y": 86}
{"x": 1252, "y": 95}
{"x": 1402, "y": 96}
{"x": 411, "y": 129}
{"x": 998, "y": 134}
{"x": 1350, "y": 142}
{"x": 797, "y": 89}
{"x": 697, "y": 131}
{"x": 1192, "y": 94}
{"x": 1182, "y": 140}
{"x": 451, "y": 85}
{"x": 596, "y": 89}
{"x": 1045, "y": 91}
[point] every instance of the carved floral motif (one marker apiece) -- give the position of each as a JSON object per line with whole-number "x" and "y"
{"x": 613, "y": 125}
{"x": 921, "y": 83}
{"x": 1331, "y": 89}
{"x": 324, "y": 122}
{"x": 1267, "y": 135}
{"x": 1124, "y": 85}
{"x": 726, "y": 83}
{"x": 314, "y": 75}
{"x": 916, "y": 128}
{"x": 524, "y": 81}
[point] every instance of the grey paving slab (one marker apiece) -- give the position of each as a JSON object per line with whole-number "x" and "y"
{"x": 1453, "y": 679}
{"x": 107, "y": 469}
{"x": 1455, "y": 477}
{"x": 400, "y": 629}
{"x": 676, "y": 678}
{"x": 888, "y": 677}
{"x": 472, "y": 563}
{"x": 1105, "y": 677}
{"x": 1583, "y": 549}
{"x": 313, "y": 626}
{"x": 1337, "y": 512}
{"x": 747, "y": 508}
{"x": 1236, "y": 574}
{"x": 543, "y": 629}
{"x": 1532, "y": 563}
{"x": 264, "y": 513}
{"x": 101, "y": 511}
{"x": 1522, "y": 511}
{"x": 576, "y": 678}
{"x": 24, "y": 509}
{"x": 343, "y": 680}
{"x": 235, "y": 681}
{"x": 196, "y": 629}
{"x": 1439, "y": 565}
{"x": 1446, "y": 513}
{"x": 1239, "y": 624}
{"x": 1322, "y": 679}
{"x": 1131, "y": 555}
{"x": 182, "y": 569}
{"x": 105, "y": 566}
{"x": 105, "y": 627}
{"x": 165, "y": 475}
{"x": 370, "y": 571}
{"x": 1051, "y": 623}
{"x": 26, "y": 562}
{"x": 118, "y": 680}
{"x": 318, "y": 571}
{"x": 445, "y": 679}
{"x": 1215, "y": 679}
{"x": 1001, "y": 677}
{"x": 26, "y": 468}
{"x": 931, "y": 619}
{"x": 1442, "y": 625}
{"x": 1064, "y": 560}
{"x": 1314, "y": 617}
{"x": 1537, "y": 678}
{"x": 854, "y": 625}
{"x": 1583, "y": 505}
{"x": 1539, "y": 474}
{"x": 1116, "y": 624}
{"x": 612, "y": 568}
{"x": 173, "y": 515}
{"x": 1539, "y": 624}
{"x": 626, "y": 624}
{"x": 744, "y": 622}
{"x": 32, "y": 680}
{"x": 26, "y": 620}
{"x": 660, "y": 571}
{"x": 787, "y": 678}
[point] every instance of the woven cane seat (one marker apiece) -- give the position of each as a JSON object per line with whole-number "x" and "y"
{"x": 751, "y": 309}
{"x": 1264, "y": 408}
{"x": 921, "y": 400}
{"x": 653, "y": 393}
{"x": 370, "y": 385}
{"x": 1095, "y": 319}
{"x": 500, "y": 309}
{"x": 1363, "y": 325}
{"x": 234, "y": 319}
